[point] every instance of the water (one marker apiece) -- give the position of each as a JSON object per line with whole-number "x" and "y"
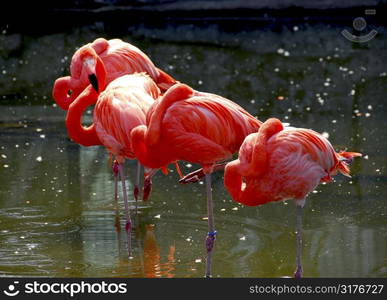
{"x": 57, "y": 212}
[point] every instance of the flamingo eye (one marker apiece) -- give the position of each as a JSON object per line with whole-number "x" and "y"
{"x": 69, "y": 92}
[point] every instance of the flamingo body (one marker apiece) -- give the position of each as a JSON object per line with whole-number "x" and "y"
{"x": 193, "y": 126}
{"x": 280, "y": 163}
{"x": 121, "y": 107}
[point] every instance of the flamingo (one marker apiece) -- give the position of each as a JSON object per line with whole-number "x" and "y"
{"x": 118, "y": 58}
{"x": 279, "y": 163}
{"x": 120, "y": 107}
{"x": 193, "y": 126}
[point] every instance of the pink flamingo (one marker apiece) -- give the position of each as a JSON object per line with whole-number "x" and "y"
{"x": 279, "y": 163}
{"x": 120, "y": 107}
{"x": 193, "y": 126}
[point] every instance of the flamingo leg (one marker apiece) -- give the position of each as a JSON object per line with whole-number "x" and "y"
{"x": 210, "y": 239}
{"x": 137, "y": 184}
{"x": 128, "y": 225}
{"x": 146, "y": 189}
{"x": 298, "y": 272}
{"x": 117, "y": 217}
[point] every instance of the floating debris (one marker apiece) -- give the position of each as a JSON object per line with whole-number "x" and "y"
{"x": 39, "y": 159}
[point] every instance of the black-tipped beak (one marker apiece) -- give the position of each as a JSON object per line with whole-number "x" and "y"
{"x": 94, "y": 82}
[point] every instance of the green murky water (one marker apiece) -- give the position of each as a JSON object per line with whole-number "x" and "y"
{"x": 57, "y": 214}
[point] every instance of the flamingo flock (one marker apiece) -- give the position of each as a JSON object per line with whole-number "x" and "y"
{"x": 143, "y": 113}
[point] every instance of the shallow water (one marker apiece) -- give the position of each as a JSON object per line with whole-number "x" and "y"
{"x": 57, "y": 212}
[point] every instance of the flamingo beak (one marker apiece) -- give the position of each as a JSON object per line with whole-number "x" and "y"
{"x": 94, "y": 82}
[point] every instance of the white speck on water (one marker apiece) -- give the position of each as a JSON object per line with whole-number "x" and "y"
{"x": 157, "y": 216}
{"x": 334, "y": 121}
{"x": 280, "y": 51}
{"x": 365, "y": 157}
{"x": 39, "y": 159}
{"x": 39, "y": 129}
{"x": 286, "y": 53}
{"x": 252, "y": 101}
{"x": 198, "y": 260}
{"x": 42, "y": 136}
{"x": 3, "y": 156}
{"x": 295, "y": 28}
{"x": 367, "y": 115}
{"x": 384, "y": 74}
{"x": 307, "y": 108}
{"x": 200, "y": 82}
{"x": 276, "y": 70}
{"x": 4, "y": 72}
{"x": 325, "y": 134}
{"x": 188, "y": 239}
{"x": 243, "y": 238}
{"x": 222, "y": 209}
{"x": 6, "y": 166}
{"x": 188, "y": 165}
{"x": 369, "y": 107}
{"x": 353, "y": 92}
{"x": 327, "y": 84}
{"x": 235, "y": 208}
{"x": 170, "y": 67}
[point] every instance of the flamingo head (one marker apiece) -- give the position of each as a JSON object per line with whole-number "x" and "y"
{"x": 93, "y": 68}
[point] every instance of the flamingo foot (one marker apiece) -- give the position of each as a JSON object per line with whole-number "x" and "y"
{"x": 194, "y": 176}
{"x": 210, "y": 241}
{"x": 146, "y": 189}
{"x": 136, "y": 192}
{"x": 128, "y": 226}
{"x": 298, "y": 273}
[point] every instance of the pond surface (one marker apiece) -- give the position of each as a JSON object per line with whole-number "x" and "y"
{"x": 57, "y": 212}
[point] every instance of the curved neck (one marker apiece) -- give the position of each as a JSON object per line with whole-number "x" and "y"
{"x": 60, "y": 91}
{"x": 248, "y": 193}
{"x": 85, "y": 136}
{"x": 148, "y": 157}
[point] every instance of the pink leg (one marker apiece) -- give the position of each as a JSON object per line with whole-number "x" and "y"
{"x": 137, "y": 184}
{"x": 298, "y": 272}
{"x": 117, "y": 218}
{"x": 210, "y": 239}
{"x": 128, "y": 225}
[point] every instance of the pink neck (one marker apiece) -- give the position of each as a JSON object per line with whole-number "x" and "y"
{"x": 85, "y": 136}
